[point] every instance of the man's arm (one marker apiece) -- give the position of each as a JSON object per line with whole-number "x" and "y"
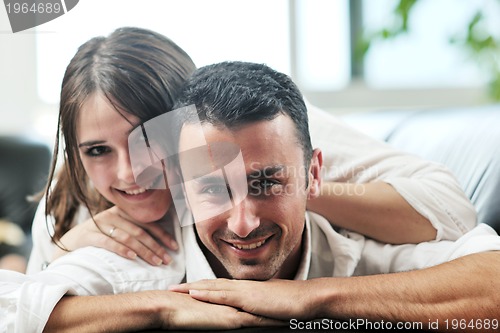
{"x": 108, "y": 313}
{"x": 463, "y": 289}
{"x": 145, "y": 310}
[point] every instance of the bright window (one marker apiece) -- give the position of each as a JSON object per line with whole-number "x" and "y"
{"x": 209, "y": 31}
{"x": 424, "y": 58}
{"x": 308, "y": 39}
{"x": 322, "y": 49}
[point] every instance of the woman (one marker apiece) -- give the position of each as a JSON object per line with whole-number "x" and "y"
{"x": 110, "y": 86}
{"x": 115, "y": 83}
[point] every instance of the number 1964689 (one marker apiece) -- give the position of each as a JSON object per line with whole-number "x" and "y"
{"x": 40, "y": 8}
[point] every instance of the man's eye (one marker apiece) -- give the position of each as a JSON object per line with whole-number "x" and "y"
{"x": 215, "y": 189}
{"x": 266, "y": 183}
{"x": 97, "y": 151}
{"x": 264, "y": 187}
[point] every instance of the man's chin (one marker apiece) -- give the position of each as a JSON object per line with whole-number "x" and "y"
{"x": 253, "y": 273}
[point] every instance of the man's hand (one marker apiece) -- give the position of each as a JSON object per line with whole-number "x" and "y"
{"x": 154, "y": 309}
{"x": 189, "y": 313}
{"x": 280, "y": 299}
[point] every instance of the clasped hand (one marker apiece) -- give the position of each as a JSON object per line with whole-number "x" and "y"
{"x": 278, "y": 299}
{"x": 115, "y": 231}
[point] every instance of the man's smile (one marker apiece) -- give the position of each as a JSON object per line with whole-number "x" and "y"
{"x": 247, "y": 245}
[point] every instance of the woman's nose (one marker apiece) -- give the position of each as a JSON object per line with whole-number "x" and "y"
{"x": 124, "y": 168}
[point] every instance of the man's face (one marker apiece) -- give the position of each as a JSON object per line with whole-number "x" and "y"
{"x": 260, "y": 236}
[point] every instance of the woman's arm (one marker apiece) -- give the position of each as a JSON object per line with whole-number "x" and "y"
{"x": 376, "y": 190}
{"x": 374, "y": 209}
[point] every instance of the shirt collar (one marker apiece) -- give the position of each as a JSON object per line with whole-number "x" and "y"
{"x": 198, "y": 268}
{"x": 305, "y": 261}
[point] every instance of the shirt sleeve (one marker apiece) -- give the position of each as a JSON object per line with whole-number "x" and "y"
{"x": 430, "y": 188}
{"x": 43, "y": 248}
{"x": 27, "y": 301}
{"x": 378, "y": 258}
{"x": 42, "y": 230}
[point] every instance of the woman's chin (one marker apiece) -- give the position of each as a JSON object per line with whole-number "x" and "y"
{"x": 147, "y": 218}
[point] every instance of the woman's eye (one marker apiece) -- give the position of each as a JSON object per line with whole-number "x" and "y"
{"x": 97, "y": 151}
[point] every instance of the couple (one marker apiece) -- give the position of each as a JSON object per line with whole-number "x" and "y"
{"x": 270, "y": 235}
{"x": 267, "y": 234}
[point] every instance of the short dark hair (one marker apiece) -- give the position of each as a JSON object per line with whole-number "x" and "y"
{"x": 233, "y": 94}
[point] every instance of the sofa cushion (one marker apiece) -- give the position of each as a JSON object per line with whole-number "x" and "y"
{"x": 466, "y": 140}
{"x": 24, "y": 167}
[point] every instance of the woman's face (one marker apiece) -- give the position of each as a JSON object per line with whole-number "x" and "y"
{"x": 102, "y": 135}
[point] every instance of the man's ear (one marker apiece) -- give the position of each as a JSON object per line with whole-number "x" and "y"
{"x": 315, "y": 174}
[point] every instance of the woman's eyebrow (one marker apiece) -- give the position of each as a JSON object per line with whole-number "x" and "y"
{"x": 91, "y": 143}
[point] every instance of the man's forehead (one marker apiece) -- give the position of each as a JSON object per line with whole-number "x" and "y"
{"x": 281, "y": 126}
{"x": 264, "y": 144}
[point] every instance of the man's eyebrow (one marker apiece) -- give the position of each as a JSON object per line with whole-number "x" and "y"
{"x": 203, "y": 180}
{"x": 266, "y": 172}
{"x": 91, "y": 143}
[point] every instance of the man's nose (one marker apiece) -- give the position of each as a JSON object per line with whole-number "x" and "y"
{"x": 243, "y": 219}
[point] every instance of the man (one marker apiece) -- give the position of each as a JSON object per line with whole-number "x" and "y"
{"x": 267, "y": 234}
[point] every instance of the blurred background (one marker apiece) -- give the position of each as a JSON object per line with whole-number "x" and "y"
{"x": 346, "y": 56}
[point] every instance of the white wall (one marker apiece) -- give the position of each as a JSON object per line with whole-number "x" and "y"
{"x": 21, "y": 110}
{"x": 18, "y": 98}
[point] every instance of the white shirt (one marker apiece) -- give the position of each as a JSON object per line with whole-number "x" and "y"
{"x": 328, "y": 253}
{"x": 27, "y": 300}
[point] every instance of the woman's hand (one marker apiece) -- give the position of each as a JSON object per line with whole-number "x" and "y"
{"x": 122, "y": 236}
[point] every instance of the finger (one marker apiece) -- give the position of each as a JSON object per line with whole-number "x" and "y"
{"x": 164, "y": 237}
{"x": 139, "y": 241}
{"x": 207, "y": 284}
{"x": 142, "y": 250}
{"x": 111, "y": 245}
{"x": 222, "y": 297}
{"x": 179, "y": 288}
{"x": 124, "y": 222}
{"x": 150, "y": 243}
{"x": 250, "y": 320}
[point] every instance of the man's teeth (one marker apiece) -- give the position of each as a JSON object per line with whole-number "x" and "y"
{"x": 135, "y": 192}
{"x": 249, "y": 246}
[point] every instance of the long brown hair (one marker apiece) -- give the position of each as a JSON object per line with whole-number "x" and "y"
{"x": 140, "y": 72}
